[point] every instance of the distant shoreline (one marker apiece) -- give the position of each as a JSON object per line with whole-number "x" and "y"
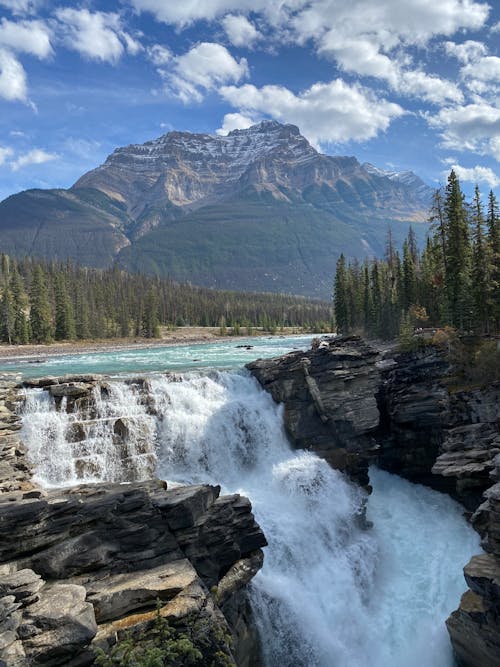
{"x": 179, "y": 336}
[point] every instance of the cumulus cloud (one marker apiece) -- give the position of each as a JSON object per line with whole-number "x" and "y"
{"x": 34, "y": 156}
{"x": 484, "y": 69}
{"x": 21, "y": 6}
{"x": 184, "y": 13}
{"x": 477, "y": 174}
{"x": 325, "y": 112}
{"x": 386, "y": 23}
{"x": 473, "y": 127}
{"x": 239, "y": 30}
{"x": 12, "y": 77}
{"x": 5, "y": 153}
{"x": 363, "y": 37}
{"x": 26, "y": 37}
{"x": 428, "y": 87}
{"x": 467, "y": 52}
{"x": 159, "y": 55}
{"x": 205, "y": 67}
{"x": 95, "y": 35}
{"x": 235, "y": 121}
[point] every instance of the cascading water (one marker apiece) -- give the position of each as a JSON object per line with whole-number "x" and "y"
{"x": 331, "y": 593}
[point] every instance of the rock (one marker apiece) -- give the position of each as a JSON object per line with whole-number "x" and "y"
{"x": 110, "y": 551}
{"x": 329, "y": 400}
{"x": 117, "y": 595}
{"x": 73, "y": 390}
{"x": 62, "y": 622}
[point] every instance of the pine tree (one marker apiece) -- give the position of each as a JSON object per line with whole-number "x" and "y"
{"x": 341, "y": 297}
{"x": 40, "y": 313}
{"x": 8, "y": 316}
{"x": 20, "y": 306}
{"x": 64, "y": 311}
{"x": 150, "y": 325}
{"x": 409, "y": 291}
{"x": 480, "y": 266}
{"x": 457, "y": 266}
{"x": 493, "y": 250}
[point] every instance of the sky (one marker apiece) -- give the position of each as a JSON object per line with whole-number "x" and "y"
{"x": 411, "y": 84}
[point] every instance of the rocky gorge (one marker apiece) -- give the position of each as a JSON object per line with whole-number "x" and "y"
{"x": 354, "y": 406}
{"x": 81, "y": 566}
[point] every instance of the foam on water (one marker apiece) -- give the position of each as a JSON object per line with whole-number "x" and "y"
{"x": 331, "y": 593}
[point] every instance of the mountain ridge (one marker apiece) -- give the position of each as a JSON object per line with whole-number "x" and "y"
{"x": 257, "y": 209}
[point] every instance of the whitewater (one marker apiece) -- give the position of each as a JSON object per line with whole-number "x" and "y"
{"x": 333, "y": 592}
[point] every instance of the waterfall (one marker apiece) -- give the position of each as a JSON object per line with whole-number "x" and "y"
{"x": 331, "y": 593}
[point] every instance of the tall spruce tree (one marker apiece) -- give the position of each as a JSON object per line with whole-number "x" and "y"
{"x": 65, "y": 328}
{"x": 493, "y": 249}
{"x": 40, "y": 313}
{"x": 481, "y": 269}
{"x": 341, "y": 296}
{"x": 457, "y": 255}
{"x": 20, "y": 306}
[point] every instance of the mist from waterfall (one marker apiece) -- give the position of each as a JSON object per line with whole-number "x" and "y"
{"x": 332, "y": 593}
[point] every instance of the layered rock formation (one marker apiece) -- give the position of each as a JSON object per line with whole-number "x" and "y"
{"x": 329, "y": 401}
{"x": 82, "y": 567}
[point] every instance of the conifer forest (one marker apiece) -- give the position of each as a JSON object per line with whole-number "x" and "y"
{"x": 454, "y": 281}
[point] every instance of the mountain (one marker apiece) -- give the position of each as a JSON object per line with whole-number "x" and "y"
{"x": 258, "y": 209}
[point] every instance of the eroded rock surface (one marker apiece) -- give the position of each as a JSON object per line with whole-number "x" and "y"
{"x": 329, "y": 401}
{"x": 81, "y": 567}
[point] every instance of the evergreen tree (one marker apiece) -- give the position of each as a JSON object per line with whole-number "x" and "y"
{"x": 493, "y": 249}
{"x": 341, "y": 297}
{"x": 7, "y": 315}
{"x": 20, "y": 306}
{"x": 480, "y": 266}
{"x": 457, "y": 267}
{"x": 40, "y": 313}
{"x": 409, "y": 291}
{"x": 150, "y": 325}
{"x": 64, "y": 311}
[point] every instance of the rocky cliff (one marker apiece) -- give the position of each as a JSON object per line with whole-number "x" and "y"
{"x": 329, "y": 401}
{"x": 353, "y": 407}
{"x": 80, "y": 568}
{"x": 449, "y": 438}
{"x": 258, "y": 209}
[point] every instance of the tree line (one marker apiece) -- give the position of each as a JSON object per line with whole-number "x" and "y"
{"x": 454, "y": 281}
{"x": 44, "y": 301}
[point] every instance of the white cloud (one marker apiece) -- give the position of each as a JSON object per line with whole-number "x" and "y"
{"x": 26, "y": 37}
{"x": 428, "y": 87}
{"x": 184, "y": 13}
{"x": 205, "y": 67}
{"x": 235, "y": 121}
{"x": 387, "y": 23}
{"x": 473, "y": 127}
{"x": 5, "y": 153}
{"x": 159, "y": 55}
{"x": 364, "y": 37}
{"x": 34, "y": 156}
{"x": 325, "y": 112}
{"x": 97, "y": 35}
{"x": 12, "y": 77}
{"x": 239, "y": 30}
{"x": 484, "y": 69}
{"x": 133, "y": 46}
{"x": 469, "y": 51}
{"x": 21, "y": 6}
{"x": 477, "y": 174}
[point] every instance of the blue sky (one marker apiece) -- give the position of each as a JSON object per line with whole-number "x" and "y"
{"x": 403, "y": 85}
